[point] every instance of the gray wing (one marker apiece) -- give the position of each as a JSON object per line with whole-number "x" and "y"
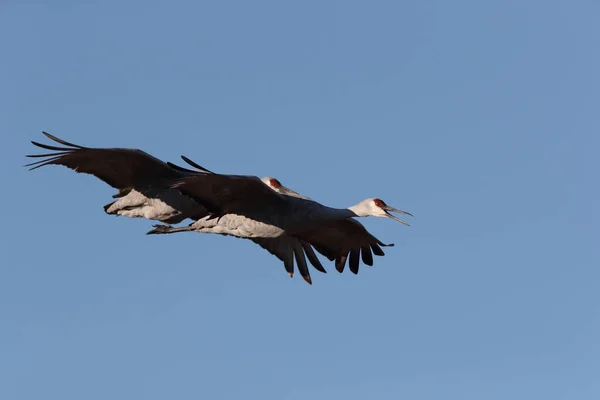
{"x": 286, "y": 248}
{"x": 342, "y": 239}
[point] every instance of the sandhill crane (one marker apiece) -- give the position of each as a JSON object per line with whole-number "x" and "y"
{"x": 140, "y": 179}
{"x": 246, "y": 207}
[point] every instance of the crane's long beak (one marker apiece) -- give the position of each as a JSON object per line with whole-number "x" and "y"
{"x": 389, "y": 209}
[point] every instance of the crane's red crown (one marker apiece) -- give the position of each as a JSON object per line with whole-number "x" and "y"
{"x": 275, "y": 183}
{"x": 379, "y": 203}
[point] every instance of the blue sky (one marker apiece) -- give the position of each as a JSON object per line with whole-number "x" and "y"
{"x": 481, "y": 119}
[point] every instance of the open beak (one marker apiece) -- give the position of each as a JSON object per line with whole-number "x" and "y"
{"x": 389, "y": 209}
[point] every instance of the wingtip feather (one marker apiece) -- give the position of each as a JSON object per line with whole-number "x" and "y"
{"x": 196, "y": 165}
{"x": 64, "y": 142}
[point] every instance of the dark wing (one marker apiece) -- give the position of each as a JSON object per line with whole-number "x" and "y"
{"x": 286, "y": 248}
{"x": 120, "y": 168}
{"x": 232, "y": 194}
{"x": 199, "y": 168}
{"x": 342, "y": 239}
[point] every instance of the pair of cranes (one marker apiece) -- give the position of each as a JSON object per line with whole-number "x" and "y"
{"x": 287, "y": 224}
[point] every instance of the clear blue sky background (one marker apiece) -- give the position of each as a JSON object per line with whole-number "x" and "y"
{"x": 482, "y": 119}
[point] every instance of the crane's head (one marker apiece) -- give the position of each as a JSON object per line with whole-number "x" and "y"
{"x": 272, "y": 183}
{"x": 279, "y": 188}
{"x": 374, "y": 207}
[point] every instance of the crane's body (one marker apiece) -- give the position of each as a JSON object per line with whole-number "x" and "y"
{"x": 294, "y": 216}
{"x": 248, "y": 196}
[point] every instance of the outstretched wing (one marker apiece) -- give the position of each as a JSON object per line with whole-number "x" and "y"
{"x": 286, "y": 248}
{"x": 118, "y": 167}
{"x": 342, "y": 239}
{"x": 232, "y": 194}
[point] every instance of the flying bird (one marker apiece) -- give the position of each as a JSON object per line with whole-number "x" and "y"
{"x": 244, "y": 205}
{"x": 141, "y": 181}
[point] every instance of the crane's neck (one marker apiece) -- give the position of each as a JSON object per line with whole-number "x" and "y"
{"x": 358, "y": 210}
{"x": 316, "y": 212}
{"x": 343, "y": 213}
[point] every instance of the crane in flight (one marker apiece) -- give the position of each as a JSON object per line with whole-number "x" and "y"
{"x": 244, "y": 205}
{"x": 278, "y": 219}
{"x": 337, "y": 239}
